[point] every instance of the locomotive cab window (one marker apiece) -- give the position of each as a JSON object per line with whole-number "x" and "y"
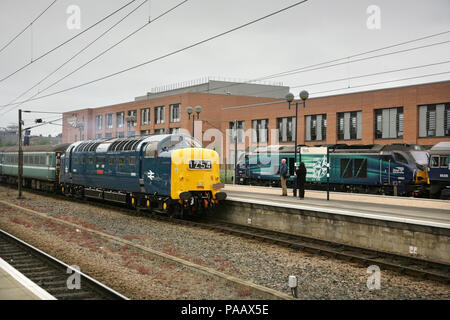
{"x": 151, "y": 151}
{"x": 400, "y": 158}
{"x": 171, "y": 142}
{"x": 435, "y": 161}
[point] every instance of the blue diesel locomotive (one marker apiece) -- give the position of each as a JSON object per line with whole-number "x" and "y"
{"x": 385, "y": 169}
{"x": 439, "y": 170}
{"x": 172, "y": 174}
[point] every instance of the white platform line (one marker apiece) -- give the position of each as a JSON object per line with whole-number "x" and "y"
{"x": 24, "y": 281}
{"x": 343, "y": 212}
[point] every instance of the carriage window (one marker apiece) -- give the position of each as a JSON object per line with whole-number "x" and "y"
{"x": 30, "y": 159}
{"x": 151, "y": 150}
{"x": 400, "y": 158}
{"x": 435, "y": 161}
{"x": 36, "y": 159}
{"x": 121, "y": 161}
{"x": 444, "y": 162}
{"x": 111, "y": 161}
{"x": 42, "y": 159}
{"x": 90, "y": 160}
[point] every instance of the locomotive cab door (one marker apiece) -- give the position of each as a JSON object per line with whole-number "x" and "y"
{"x": 385, "y": 169}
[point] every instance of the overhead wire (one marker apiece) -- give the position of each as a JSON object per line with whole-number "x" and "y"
{"x": 171, "y": 53}
{"x": 65, "y": 42}
{"x": 30, "y": 24}
{"x": 75, "y": 55}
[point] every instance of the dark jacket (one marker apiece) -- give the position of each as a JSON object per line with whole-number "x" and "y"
{"x": 283, "y": 170}
{"x": 301, "y": 174}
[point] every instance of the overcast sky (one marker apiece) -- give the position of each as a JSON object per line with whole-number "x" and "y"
{"x": 310, "y": 33}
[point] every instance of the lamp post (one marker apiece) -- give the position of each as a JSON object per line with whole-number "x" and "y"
{"x": 190, "y": 112}
{"x": 289, "y": 98}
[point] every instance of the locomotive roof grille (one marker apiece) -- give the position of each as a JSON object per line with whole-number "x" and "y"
{"x": 126, "y": 144}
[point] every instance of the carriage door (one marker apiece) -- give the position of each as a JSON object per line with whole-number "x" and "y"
{"x": 385, "y": 169}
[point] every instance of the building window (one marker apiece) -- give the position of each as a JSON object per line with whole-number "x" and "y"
{"x": 98, "y": 136}
{"x": 240, "y": 131}
{"x": 388, "y": 123}
{"x": 120, "y": 134}
{"x": 434, "y": 120}
{"x": 131, "y": 133}
{"x": 316, "y": 127}
{"x": 174, "y": 130}
{"x": 108, "y": 135}
{"x": 159, "y": 115}
{"x": 260, "y": 130}
{"x": 145, "y": 116}
{"x": 131, "y": 119}
{"x": 145, "y": 132}
{"x": 98, "y": 122}
{"x": 286, "y": 129}
{"x": 349, "y": 125}
{"x": 175, "y": 112}
{"x": 109, "y": 120}
{"x": 161, "y": 131}
{"x": 119, "y": 119}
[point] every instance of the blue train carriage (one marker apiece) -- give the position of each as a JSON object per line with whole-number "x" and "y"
{"x": 387, "y": 169}
{"x": 439, "y": 170}
{"x": 172, "y": 174}
{"x": 41, "y": 166}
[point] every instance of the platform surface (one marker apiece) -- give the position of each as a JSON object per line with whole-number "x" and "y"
{"x": 15, "y": 286}
{"x": 425, "y": 212}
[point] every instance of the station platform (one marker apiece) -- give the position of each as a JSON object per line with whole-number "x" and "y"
{"x": 15, "y": 286}
{"x": 426, "y": 212}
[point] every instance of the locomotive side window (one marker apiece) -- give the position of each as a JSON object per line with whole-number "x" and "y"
{"x": 444, "y": 162}
{"x": 83, "y": 160}
{"x": 111, "y": 161}
{"x": 132, "y": 161}
{"x": 121, "y": 161}
{"x": 151, "y": 150}
{"x": 90, "y": 160}
{"x": 435, "y": 161}
{"x": 75, "y": 160}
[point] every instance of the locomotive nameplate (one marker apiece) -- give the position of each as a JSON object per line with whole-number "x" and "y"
{"x": 200, "y": 164}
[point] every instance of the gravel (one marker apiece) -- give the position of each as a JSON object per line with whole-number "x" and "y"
{"x": 265, "y": 264}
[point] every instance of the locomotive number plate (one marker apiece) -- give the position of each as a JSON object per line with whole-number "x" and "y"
{"x": 200, "y": 164}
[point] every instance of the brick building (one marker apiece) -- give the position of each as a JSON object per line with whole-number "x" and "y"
{"x": 411, "y": 114}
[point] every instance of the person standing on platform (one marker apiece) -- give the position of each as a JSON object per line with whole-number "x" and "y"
{"x": 283, "y": 176}
{"x": 301, "y": 180}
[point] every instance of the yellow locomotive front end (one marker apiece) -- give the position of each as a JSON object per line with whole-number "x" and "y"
{"x": 195, "y": 178}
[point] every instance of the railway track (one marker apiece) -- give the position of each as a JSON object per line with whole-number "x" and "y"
{"x": 49, "y": 273}
{"x": 403, "y": 264}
